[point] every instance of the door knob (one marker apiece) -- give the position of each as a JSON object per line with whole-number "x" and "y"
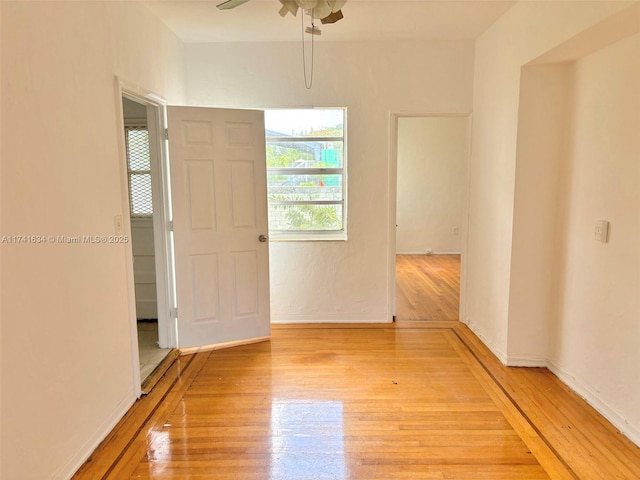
{"x": 263, "y": 238}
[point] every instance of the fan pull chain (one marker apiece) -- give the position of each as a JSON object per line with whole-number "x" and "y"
{"x": 307, "y": 83}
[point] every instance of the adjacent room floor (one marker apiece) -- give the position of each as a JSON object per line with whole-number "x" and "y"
{"x": 150, "y": 354}
{"x": 427, "y": 287}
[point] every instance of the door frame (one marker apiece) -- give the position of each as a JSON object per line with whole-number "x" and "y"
{"x": 393, "y": 205}
{"x": 162, "y": 218}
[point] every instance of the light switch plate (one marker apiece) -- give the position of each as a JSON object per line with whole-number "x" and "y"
{"x": 602, "y": 231}
{"x": 118, "y": 225}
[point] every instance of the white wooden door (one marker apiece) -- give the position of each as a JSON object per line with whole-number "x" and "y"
{"x": 219, "y": 195}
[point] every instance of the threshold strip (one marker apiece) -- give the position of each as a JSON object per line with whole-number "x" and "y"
{"x": 146, "y": 420}
{"x": 517, "y": 407}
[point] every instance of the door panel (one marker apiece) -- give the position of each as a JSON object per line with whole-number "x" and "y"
{"x": 218, "y": 177}
{"x": 200, "y": 188}
{"x": 203, "y": 271}
{"x": 243, "y": 204}
{"x": 246, "y": 292}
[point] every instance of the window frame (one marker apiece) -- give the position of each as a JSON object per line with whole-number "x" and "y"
{"x": 311, "y": 235}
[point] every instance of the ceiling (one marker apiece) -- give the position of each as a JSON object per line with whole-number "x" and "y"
{"x": 364, "y": 20}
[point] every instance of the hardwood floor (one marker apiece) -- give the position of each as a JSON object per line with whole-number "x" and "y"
{"x": 412, "y": 400}
{"x": 427, "y": 287}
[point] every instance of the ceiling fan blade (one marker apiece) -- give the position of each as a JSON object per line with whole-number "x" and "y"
{"x": 229, "y": 4}
{"x": 288, "y": 6}
{"x": 333, "y": 18}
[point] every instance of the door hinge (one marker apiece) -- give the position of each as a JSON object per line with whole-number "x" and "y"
{"x": 170, "y": 225}
{"x": 166, "y": 134}
{"x": 173, "y": 312}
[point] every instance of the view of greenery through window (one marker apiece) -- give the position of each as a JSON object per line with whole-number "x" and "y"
{"x": 305, "y": 170}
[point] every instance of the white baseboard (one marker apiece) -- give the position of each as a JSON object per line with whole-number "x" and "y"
{"x": 527, "y": 361}
{"x": 330, "y": 318}
{"x": 632, "y": 432}
{"x": 490, "y": 345}
{"x": 424, "y": 253}
{"x": 72, "y": 465}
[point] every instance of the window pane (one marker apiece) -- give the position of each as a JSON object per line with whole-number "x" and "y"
{"x": 304, "y": 123}
{"x": 138, "y": 149}
{"x": 305, "y": 154}
{"x": 141, "y": 202}
{"x": 305, "y": 169}
{"x": 304, "y": 187}
{"x": 305, "y": 217}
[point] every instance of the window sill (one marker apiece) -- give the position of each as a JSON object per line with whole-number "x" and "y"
{"x": 308, "y": 237}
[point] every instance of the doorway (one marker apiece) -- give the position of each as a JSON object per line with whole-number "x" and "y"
{"x": 150, "y": 240}
{"x": 431, "y": 166}
{"x": 214, "y": 259}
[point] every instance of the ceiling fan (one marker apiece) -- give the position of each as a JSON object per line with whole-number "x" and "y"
{"x": 328, "y": 11}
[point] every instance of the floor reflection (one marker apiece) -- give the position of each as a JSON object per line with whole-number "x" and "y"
{"x": 307, "y": 439}
{"x": 158, "y": 450}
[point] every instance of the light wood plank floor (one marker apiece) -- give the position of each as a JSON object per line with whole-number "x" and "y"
{"x": 427, "y": 287}
{"x": 414, "y": 400}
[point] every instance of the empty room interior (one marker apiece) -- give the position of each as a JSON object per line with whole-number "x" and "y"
{"x": 380, "y": 239}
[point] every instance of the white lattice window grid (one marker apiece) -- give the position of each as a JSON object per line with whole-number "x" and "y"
{"x": 139, "y": 171}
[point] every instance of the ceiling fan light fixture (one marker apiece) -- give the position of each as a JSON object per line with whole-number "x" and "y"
{"x": 333, "y": 17}
{"x": 328, "y": 11}
{"x": 321, "y": 10}
{"x": 307, "y": 4}
{"x": 336, "y": 5}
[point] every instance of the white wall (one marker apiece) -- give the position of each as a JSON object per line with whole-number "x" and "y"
{"x": 595, "y": 333}
{"x": 540, "y": 290}
{"x": 541, "y": 138}
{"x": 526, "y": 31}
{"x": 1, "y": 267}
{"x": 432, "y": 176}
{"x": 373, "y": 80}
{"x": 67, "y": 370}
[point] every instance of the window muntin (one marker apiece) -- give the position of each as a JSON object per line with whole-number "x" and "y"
{"x": 306, "y": 173}
{"x": 139, "y": 171}
{"x": 302, "y": 187}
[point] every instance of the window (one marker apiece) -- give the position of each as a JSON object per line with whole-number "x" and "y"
{"x": 139, "y": 171}
{"x": 306, "y": 174}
